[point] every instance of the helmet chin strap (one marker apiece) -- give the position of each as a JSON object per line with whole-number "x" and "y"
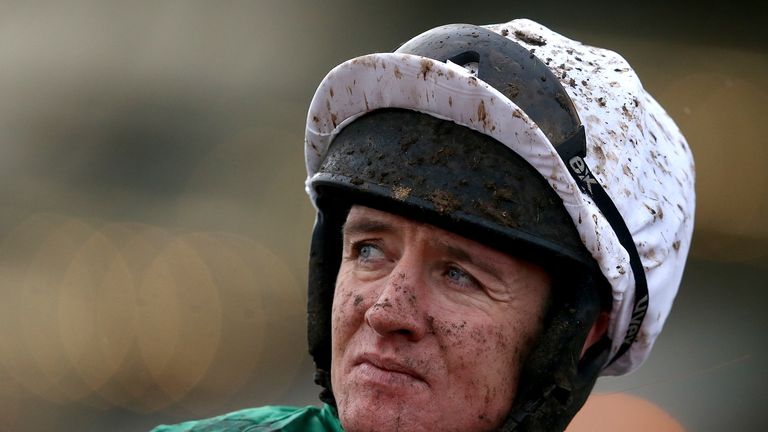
{"x": 531, "y": 415}
{"x": 555, "y": 382}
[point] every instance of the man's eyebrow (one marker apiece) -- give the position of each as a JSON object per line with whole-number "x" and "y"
{"x": 459, "y": 254}
{"x": 366, "y": 226}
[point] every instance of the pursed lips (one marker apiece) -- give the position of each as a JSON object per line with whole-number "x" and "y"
{"x": 388, "y": 365}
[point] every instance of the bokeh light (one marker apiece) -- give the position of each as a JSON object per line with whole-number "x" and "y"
{"x": 96, "y": 311}
{"x": 138, "y": 317}
{"x": 180, "y": 318}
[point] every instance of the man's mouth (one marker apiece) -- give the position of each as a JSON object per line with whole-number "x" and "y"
{"x": 388, "y": 371}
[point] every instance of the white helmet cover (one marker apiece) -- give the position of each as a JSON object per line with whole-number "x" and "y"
{"x": 634, "y": 149}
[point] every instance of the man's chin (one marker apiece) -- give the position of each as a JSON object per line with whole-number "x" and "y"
{"x": 385, "y": 415}
{"x": 376, "y": 410}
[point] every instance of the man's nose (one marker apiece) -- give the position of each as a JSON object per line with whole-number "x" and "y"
{"x": 399, "y": 307}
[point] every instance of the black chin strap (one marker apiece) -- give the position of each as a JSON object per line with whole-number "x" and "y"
{"x": 556, "y": 379}
{"x": 532, "y": 406}
{"x": 556, "y": 405}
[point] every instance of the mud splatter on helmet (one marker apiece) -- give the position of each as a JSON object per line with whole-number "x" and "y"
{"x": 533, "y": 144}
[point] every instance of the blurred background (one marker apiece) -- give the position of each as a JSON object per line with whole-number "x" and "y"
{"x": 154, "y": 229}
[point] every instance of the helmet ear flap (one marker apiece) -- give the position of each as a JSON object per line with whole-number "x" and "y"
{"x": 324, "y": 260}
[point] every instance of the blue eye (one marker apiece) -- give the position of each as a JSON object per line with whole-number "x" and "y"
{"x": 367, "y": 252}
{"x": 459, "y": 276}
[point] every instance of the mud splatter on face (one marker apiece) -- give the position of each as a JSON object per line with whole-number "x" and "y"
{"x": 416, "y": 347}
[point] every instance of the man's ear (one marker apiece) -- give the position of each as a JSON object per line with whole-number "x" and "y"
{"x": 598, "y": 330}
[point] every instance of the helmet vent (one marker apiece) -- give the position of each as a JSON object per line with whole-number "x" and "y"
{"x": 469, "y": 60}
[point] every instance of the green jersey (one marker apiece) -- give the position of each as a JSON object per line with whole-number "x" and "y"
{"x": 263, "y": 419}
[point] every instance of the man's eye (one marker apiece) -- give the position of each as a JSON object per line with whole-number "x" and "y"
{"x": 460, "y": 277}
{"x": 368, "y": 252}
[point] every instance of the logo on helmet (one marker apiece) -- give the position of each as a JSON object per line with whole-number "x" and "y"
{"x": 583, "y": 175}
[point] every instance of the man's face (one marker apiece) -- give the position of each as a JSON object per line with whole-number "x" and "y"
{"x": 429, "y": 328}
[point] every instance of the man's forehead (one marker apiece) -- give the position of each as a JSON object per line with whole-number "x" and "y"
{"x": 360, "y": 212}
{"x": 362, "y": 218}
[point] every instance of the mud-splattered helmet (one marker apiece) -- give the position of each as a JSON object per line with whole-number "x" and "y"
{"x": 533, "y": 144}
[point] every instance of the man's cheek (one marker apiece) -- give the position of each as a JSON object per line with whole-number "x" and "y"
{"x": 348, "y": 308}
{"x": 476, "y": 340}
